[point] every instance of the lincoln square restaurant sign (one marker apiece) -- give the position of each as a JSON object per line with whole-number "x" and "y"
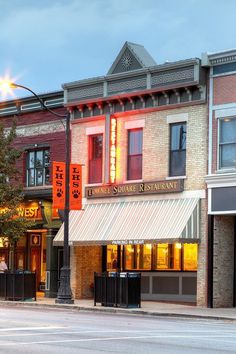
{"x": 117, "y": 190}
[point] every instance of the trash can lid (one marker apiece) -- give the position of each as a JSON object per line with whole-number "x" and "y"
{"x": 123, "y": 274}
{"x": 134, "y": 275}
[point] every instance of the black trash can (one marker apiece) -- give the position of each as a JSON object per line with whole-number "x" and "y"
{"x": 117, "y": 289}
{"x": 111, "y": 292}
{"x": 98, "y": 287}
{"x": 130, "y": 290}
{"x": 18, "y": 285}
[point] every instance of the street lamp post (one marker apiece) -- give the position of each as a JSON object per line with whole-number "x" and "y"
{"x": 64, "y": 295}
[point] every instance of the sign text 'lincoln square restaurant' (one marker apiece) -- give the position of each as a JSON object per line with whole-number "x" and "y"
{"x": 117, "y": 190}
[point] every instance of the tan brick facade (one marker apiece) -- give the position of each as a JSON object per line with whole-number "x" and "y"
{"x": 155, "y": 145}
{"x": 85, "y": 260}
{"x": 155, "y": 167}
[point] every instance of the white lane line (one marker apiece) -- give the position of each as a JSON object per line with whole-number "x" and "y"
{"x": 114, "y": 339}
{"x": 67, "y": 330}
{"x": 81, "y": 332}
{"x": 29, "y": 328}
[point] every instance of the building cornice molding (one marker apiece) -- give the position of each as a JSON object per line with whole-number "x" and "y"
{"x": 129, "y": 74}
{"x": 221, "y": 180}
{"x": 224, "y": 57}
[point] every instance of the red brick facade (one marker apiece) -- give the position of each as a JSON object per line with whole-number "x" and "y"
{"x": 224, "y": 89}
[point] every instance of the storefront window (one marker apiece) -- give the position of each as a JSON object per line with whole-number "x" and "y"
{"x": 4, "y": 242}
{"x": 112, "y": 253}
{"x": 163, "y": 256}
{"x": 190, "y": 256}
{"x": 129, "y": 255}
{"x": 144, "y": 256}
{"x": 177, "y": 256}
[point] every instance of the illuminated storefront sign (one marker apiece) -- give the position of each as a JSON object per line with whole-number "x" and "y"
{"x": 28, "y": 210}
{"x": 157, "y": 187}
{"x": 113, "y": 151}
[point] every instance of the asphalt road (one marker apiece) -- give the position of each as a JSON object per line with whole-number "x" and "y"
{"x": 30, "y": 330}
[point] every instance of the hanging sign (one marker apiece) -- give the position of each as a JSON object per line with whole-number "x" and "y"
{"x": 75, "y": 187}
{"x": 59, "y": 184}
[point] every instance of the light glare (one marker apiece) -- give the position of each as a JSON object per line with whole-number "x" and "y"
{"x": 6, "y": 86}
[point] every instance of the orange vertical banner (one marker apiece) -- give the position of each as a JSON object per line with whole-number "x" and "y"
{"x": 59, "y": 184}
{"x": 75, "y": 187}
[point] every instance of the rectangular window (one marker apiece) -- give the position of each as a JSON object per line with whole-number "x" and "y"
{"x": 38, "y": 164}
{"x": 190, "y": 257}
{"x": 95, "y": 158}
{"x": 112, "y": 257}
{"x": 162, "y": 257}
{"x": 135, "y": 154}
{"x": 227, "y": 143}
{"x": 130, "y": 257}
{"x": 177, "y": 149}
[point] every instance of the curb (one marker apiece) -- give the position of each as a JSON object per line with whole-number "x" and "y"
{"x": 112, "y": 310}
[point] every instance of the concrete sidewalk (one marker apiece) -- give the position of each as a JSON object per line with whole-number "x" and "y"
{"x": 148, "y": 308}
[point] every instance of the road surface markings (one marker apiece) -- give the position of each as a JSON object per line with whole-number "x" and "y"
{"x": 161, "y": 336}
{"x": 29, "y": 328}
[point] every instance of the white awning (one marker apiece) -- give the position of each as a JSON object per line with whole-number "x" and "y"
{"x": 170, "y": 220}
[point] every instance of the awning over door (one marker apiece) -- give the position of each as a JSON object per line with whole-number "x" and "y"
{"x": 172, "y": 220}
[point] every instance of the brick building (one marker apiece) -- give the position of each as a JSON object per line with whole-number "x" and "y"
{"x": 221, "y": 178}
{"x": 141, "y": 134}
{"x": 41, "y": 136}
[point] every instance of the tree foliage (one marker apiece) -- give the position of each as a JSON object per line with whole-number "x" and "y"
{"x": 12, "y": 226}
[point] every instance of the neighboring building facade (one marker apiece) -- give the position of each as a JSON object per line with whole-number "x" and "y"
{"x": 41, "y": 136}
{"x": 141, "y": 134}
{"x": 221, "y": 178}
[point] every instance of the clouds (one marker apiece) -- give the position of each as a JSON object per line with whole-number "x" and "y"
{"x": 51, "y": 42}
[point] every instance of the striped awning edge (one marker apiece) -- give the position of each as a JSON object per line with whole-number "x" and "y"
{"x": 170, "y": 220}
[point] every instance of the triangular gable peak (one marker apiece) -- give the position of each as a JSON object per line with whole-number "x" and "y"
{"x": 131, "y": 57}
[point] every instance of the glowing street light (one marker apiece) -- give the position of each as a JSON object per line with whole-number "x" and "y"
{"x": 64, "y": 295}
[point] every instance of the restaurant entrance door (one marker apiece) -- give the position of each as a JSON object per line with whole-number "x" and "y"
{"x": 35, "y": 256}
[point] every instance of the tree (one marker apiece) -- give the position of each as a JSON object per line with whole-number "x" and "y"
{"x": 12, "y": 226}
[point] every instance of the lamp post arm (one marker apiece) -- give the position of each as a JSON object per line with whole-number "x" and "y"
{"x": 13, "y": 85}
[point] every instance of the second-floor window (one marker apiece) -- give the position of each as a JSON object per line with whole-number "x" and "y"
{"x": 135, "y": 154}
{"x": 38, "y": 173}
{"x": 95, "y": 158}
{"x": 227, "y": 143}
{"x": 177, "y": 149}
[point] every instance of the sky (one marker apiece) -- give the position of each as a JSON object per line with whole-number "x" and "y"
{"x": 47, "y": 43}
